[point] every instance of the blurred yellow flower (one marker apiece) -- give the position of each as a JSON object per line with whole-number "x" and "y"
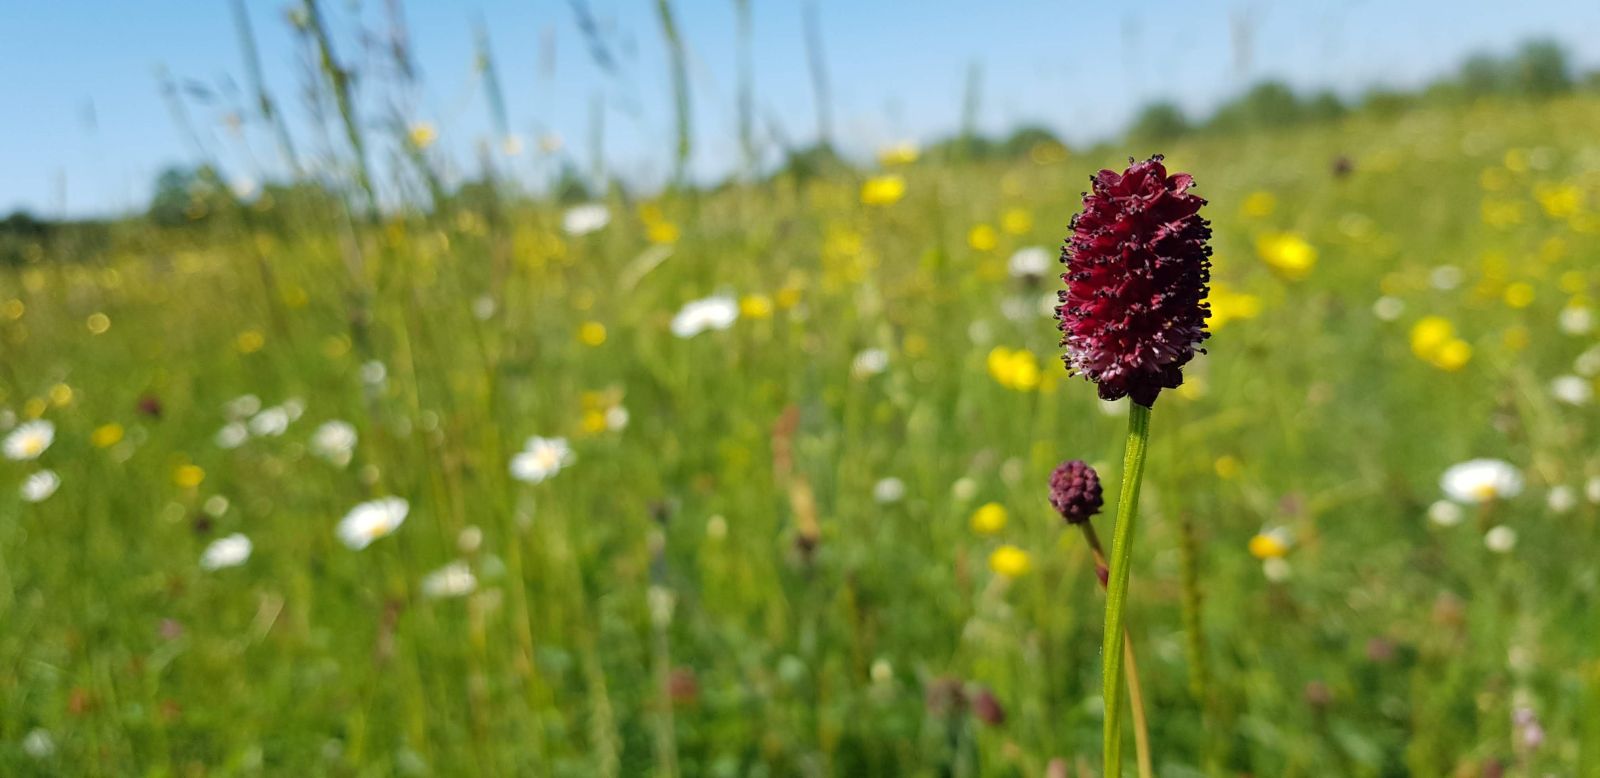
{"x": 1516, "y": 160}
{"x": 755, "y": 306}
{"x": 188, "y": 476}
{"x": 1519, "y": 294}
{"x": 1228, "y": 305}
{"x": 1501, "y": 213}
{"x": 899, "y": 154}
{"x": 1014, "y": 369}
{"x": 13, "y": 309}
{"x": 1287, "y": 253}
{"x": 422, "y": 134}
{"x": 1259, "y": 205}
{"x": 1227, "y": 467}
{"x": 789, "y": 297}
{"x": 1016, "y": 221}
{"x": 249, "y": 341}
{"x": 983, "y": 237}
{"x": 34, "y": 407}
{"x": 594, "y": 421}
{"x": 989, "y": 519}
{"x": 883, "y": 190}
{"x": 98, "y": 323}
{"x": 60, "y": 395}
{"x": 1010, "y": 562}
{"x": 1453, "y": 355}
{"x": 106, "y": 435}
{"x": 661, "y": 232}
{"x": 1429, "y": 334}
{"x": 1272, "y": 544}
{"x": 592, "y": 333}
{"x": 1573, "y": 282}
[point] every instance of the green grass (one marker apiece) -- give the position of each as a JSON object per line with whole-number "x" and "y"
{"x": 315, "y": 659}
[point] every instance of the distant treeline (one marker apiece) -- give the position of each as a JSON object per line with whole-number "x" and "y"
{"x": 188, "y": 198}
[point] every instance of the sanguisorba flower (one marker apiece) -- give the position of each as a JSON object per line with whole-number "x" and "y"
{"x": 372, "y": 520}
{"x": 1075, "y": 491}
{"x": 29, "y": 440}
{"x": 540, "y": 459}
{"x": 1481, "y": 480}
{"x": 1138, "y": 269}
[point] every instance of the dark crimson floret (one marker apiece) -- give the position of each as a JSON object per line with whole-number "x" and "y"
{"x": 1075, "y": 491}
{"x": 1138, "y": 268}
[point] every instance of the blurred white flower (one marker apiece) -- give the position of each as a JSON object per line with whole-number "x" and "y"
{"x": 1388, "y": 308}
{"x": 586, "y": 218}
{"x": 270, "y": 423}
{"x": 869, "y": 362}
{"x": 964, "y": 489}
{"x": 1561, "y": 499}
{"x": 1588, "y": 363}
{"x": 711, "y": 313}
{"x": 1572, "y": 390}
{"x": 230, "y": 551}
{"x": 470, "y": 539}
{"x": 29, "y": 440}
{"x": 38, "y": 743}
{"x": 717, "y": 527}
{"x": 1030, "y": 262}
{"x": 335, "y": 441}
{"x": 372, "y": 520}
{"x": 483, "y": 308}
{"x": 1481, "y": 480}
{"x": 1445, "y": 513}
{"x": 1591, "y": 489}
{"x": 882, "y": 671}
{"x": 452, "y": 580}
{"x": 294, "y": 408}
{"x": 1445, "y": 277}
{"x": 1276, "y": 569}
{"x": 39, "y": 486}
{"x": 243, "y": 406}
{"x": 1576, "y": 320}
{"x": 374, "y": 373}
{"x": 616, "y": 418}
{"x": 1500, "y": 539}
{"x": 540, "y": 459}
{"x": 888, "y": 490}
{"x": 215, "y": 506}
{"x": 232, "y": 435}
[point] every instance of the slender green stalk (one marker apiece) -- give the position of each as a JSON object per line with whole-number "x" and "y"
{"x": 1117, "y": 583}
{"x": 1141, "y": 726}
{"x": 680, "y": 91}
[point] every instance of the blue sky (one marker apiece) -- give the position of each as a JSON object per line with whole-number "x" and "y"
{"x": 897, "y": 70}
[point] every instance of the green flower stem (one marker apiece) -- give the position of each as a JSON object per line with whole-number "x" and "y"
{"x": 1117, "y": 585}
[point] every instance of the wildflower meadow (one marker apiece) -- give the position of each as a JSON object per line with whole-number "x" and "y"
{"x": 826, "y": 469}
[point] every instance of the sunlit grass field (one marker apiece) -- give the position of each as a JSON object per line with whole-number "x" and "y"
{"x": 771, "y": 548}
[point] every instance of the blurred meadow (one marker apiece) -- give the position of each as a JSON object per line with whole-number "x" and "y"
{"x": 366, "y": 472}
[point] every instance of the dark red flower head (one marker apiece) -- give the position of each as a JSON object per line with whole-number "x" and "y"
{"x": 1137, "y": 272}
{"x": 1075, "y": 491}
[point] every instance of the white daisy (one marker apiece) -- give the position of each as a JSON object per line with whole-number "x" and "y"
{"x": 1572, "y": 390}
{"x": 232, "y": 435}
{"x": 540, "y": 459}
{"x": 372, "y": 520}
{"x": 711, "y": 313}
{"x": 1388, "y": 308}
{"x": 29, "y": 440}
{"x": 889, "y": 490}
{"x": 1561, "y": 499}
{"x": 374, "y": 374}
{"x": 230, "y": 551}
{"x": 1445, "y": 513}
{"x": 452, "y": 580}
{"x": 1030, "y": 262}
{"x": 39, "y": 486}
{"x": 270, "y": 423}
{"x": 1576, "y": 320}
{"x": 869, "y": 362}
{"x": 1481, "y": 480}
{"x": 335, "y": 441}
{"x": 586, "y": 218}
{"x": 1500, "y": 539}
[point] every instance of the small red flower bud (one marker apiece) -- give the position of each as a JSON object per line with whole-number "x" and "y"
{"x": 1075, "y": 491}
{"x": 1138, "y": 266}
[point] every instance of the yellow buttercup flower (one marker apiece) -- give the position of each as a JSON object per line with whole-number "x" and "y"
{"x": 1288, "y": 254}
{"x": 1433, "y": 340}
{"x": 188, "y": 476}
{"x": 1014, "y": 369}
{"x": 755, "y": 306}
{"x": 1228, "y": 305}
{"x": 1016, "y": 221}
{"x": 983, "y": 237}
{"x": 899, "y": 154}
{"x": 422, "y": 134}
{"x": 1272, "y": 544}
{"x": 1519, "y": 294}
{"x": 106, "y": 435}
{"x": 883, "y": 190}
{"x": 661, "y": 232}
{"x": 1227, "y": 466}
{"x": 1259, "y": 205}
{"x": 1010, "y": 562}
{"x": 249, "y": 341}
{"x": 592, "y": 333}
{"x": 989, "y": 519}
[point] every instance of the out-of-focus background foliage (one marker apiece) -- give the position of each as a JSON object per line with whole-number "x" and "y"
{"x": 727, "y": 455}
